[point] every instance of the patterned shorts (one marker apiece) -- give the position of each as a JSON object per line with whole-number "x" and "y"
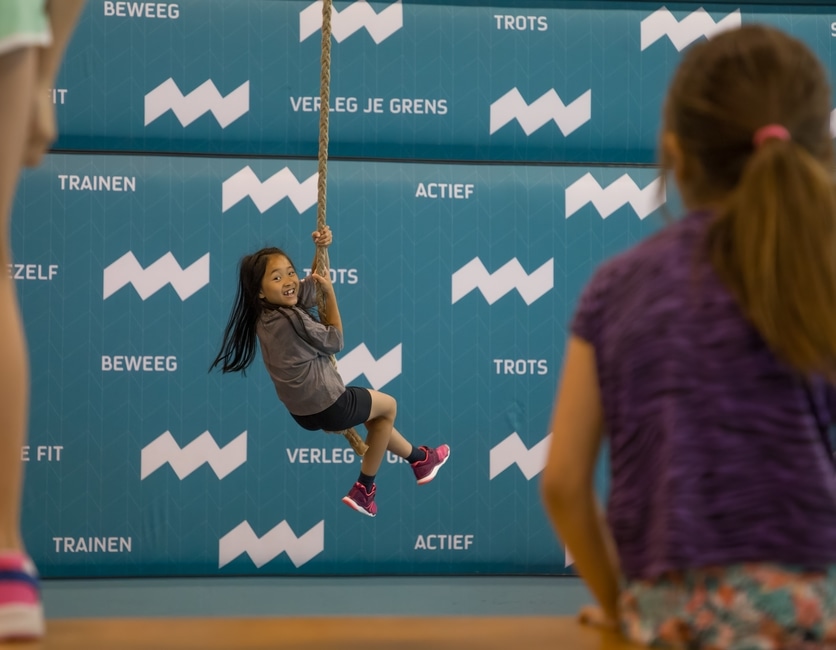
{"x": 739, "y": 607}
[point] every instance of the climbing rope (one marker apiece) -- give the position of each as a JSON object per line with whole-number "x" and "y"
{"x": 322, "y": 262}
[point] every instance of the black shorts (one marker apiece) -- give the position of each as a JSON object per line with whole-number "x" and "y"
{"x": 353, "y": 407}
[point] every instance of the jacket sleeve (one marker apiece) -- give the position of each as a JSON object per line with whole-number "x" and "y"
{"x": 307, "y": 293}
{"x": 325, "y": 338}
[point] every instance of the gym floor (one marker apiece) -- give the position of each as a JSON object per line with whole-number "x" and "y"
{"x": 314, "y": 597}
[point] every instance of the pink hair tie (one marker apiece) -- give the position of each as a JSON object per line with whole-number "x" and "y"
{"x": 770, "y": 132}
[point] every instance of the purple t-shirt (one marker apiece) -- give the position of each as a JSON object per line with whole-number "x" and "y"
{"x": 717, "y": 455}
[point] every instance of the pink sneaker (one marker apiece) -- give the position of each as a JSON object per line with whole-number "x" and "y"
{"x": 361, "y": 500}
{"x": 21, "y": 613}
{"x": 425, "y": 470}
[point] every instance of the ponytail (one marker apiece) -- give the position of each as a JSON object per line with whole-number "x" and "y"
{"x": 774, "y": 245}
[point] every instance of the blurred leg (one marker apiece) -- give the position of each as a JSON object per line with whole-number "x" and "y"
{"x": 17, "y": 74}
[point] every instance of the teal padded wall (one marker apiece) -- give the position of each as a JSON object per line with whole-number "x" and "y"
{"x": 458, "y": 258}
{"x": 552, "y": 82}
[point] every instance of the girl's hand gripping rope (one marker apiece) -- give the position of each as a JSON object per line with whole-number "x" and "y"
{"x": 324, "y": 282}
{"x": 322, "y": 237}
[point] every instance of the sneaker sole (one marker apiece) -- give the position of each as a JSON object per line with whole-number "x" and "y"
{"x": 429, "y": 477}
{"x": 351, "y": 503}
{"x": 21, "y": 622}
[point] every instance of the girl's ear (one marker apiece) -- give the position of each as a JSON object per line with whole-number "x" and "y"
{"x": 686, "y": 170}
{"x": 672, "y": 155}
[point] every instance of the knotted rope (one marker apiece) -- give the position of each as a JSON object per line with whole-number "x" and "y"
{"x": 322, "y": 261}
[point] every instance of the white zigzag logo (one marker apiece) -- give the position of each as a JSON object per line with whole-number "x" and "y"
{"x": 512, "y": 451}
{"x": 351, "y": 19}
{"x": 281, "y": 539}
{"x": 682, "y": 33}
{"x": 508, "y": 277}
{"x": 204, "y": 98}
{"x": 267, "y": 194}
{"x": 379, "y": 372}
{"x": 127, "y": 270}
{"x": 617, "y": 194}
{"x": 549, "y": 107}
{"x": 199, "y": 451}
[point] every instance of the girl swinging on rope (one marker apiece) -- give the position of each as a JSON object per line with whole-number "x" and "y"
{"x": 274, "y": 306}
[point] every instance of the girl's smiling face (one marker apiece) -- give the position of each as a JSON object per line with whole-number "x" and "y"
{"x": 280, "y": 284}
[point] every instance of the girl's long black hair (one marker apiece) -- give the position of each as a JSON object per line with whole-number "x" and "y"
{"x": 239, "y": 340}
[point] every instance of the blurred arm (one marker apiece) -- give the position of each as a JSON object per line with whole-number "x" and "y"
{"x": 568, "y": 479}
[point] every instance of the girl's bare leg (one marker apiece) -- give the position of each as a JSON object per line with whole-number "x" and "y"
{"x": 380, "y": 426}
{"x": 399, "y": 445}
